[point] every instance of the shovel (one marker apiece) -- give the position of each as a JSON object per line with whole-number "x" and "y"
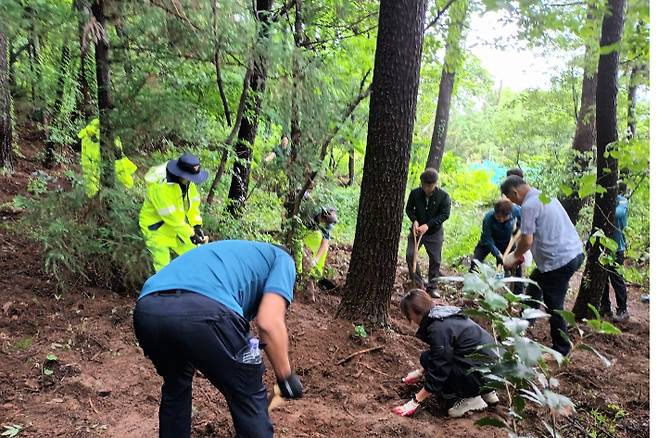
{"x": 274, "y": 400}
{"x": 416, "y": 278}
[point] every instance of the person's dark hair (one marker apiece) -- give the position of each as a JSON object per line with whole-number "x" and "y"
{"x": 515, "y": 171}
{"x": 510, "y": 183}
{"x": 621, "y": 188}
{"x": 429, "y": 176}
{"x": 416, "y": 302}
{"x": 503, "y": 207}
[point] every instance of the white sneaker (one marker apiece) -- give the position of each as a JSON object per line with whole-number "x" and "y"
{"x": 491, "y": 398}
{"x": 466, "y": 405}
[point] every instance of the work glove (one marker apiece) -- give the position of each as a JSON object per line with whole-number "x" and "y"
{"x": 499, "y": 259}
{"x": 291, "y": 387}
{"x": 511, "y": 261}
{"x": 199, "y": 237}
{"x": 407, "y": 409}
{"x": 413, "y": 377}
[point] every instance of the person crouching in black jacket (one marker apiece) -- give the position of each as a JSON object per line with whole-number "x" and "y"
{"x": 452, "y": 337}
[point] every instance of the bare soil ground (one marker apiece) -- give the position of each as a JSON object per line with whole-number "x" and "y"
{"x": 101, "y": 384}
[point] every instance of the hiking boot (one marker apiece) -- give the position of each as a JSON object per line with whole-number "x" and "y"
{"x": 605, "y": 313}
{"x": 621, "y": 315}
{"x": 466, "y": 405}
{"x": 491, "y": 398}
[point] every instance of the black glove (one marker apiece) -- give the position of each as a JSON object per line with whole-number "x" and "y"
{"x": 195, "y": 239}
{"x": 199, "y": 232}
{"x": 291, "y": 387}
{"x": 499, "y": 259}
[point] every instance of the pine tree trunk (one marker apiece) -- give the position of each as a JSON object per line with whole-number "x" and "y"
{"x": 451, "y": 65}
{"x": 237, "y": 193}
{"x": 585, "y": 135}
{"x": 632, "y": 102}
{"x": 595, "y": 277}
{"x": 6, "y": 159}
{"x": 390, "y": 128}
{"x": 103, "y": 79}
{"x": 83, "y": 103}
{"x": 350, "y": 167}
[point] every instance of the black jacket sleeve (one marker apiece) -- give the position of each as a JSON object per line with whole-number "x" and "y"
{"x": 411, "y": 207}
{"x": 443, "y": 212}
{"x": 440, "y": 357}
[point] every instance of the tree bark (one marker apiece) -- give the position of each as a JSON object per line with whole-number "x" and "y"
{"x": 451, "y": 65}
{"x": 231, "y": 138}
{"x": 595, "y": 277}
{"x": 632, "y": 102}
{"x": 390, "y": 129}
{"x": 6, "y": 155}
{"x": 350, "y": 167}
{"x": 103, "y": 80}
{"x": 65, "y": 58}
{"x": 237, "y": 193}
{"x": 585, "y": 134}
{"x": 218, "y": 64}
{"x": 83, "y": 103}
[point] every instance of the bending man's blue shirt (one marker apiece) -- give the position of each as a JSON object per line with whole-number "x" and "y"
{"x": 236, "y": 273}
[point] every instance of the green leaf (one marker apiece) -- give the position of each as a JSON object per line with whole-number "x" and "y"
{"x": 51, "y": 357}
{"x": 528, "y": 350}
{"x": 544, "y": 198}
{"x": 516, "y": 326}
{"x": 568, "y": 316}
{"x": 495, "y": 301}
{"x": 489, "y": 421}
{"x": 531, "y": 313}
{"x": 608, "y": 328}
{"x": 11, "y": 430}
{"x": 566, "y": 189}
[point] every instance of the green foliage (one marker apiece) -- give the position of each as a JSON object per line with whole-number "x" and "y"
{"x": 12, "y": 430}
{"x": 519, "y": 365}
{"x": 360, "y": 331}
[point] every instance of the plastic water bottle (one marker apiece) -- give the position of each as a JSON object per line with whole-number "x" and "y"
{"x": 251, "y": 353}
{"x": 499, "y": 275}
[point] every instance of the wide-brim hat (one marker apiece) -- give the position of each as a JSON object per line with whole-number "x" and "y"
{"x": 188, "y": 167}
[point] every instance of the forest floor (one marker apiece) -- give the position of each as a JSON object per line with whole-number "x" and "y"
{"x": 101, "y": 383}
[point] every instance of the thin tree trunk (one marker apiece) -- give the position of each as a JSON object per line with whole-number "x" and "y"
{"x": 65, "y": 58}
{"x": 103, "y": 79}
{"x": 451, "y": 65}
{"x": 83, "y": 103}
{"x": 595, "y": 277}
{"x": 231, "y": 138}
{"x": 6, "y": 138}
{"x": 218, "y": 63}
{"x": 632, "y": 102}
{"x": 350, "y": 167}
{"x": 390, "y": 129}
{"x": 585, "y": 135}
{"x": 239, "y": 189}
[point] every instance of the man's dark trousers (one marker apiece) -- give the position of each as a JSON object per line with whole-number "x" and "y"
{"x": 619, "y": 286}
{"x": 553, "y": 286}
{"x": 184, "y": 331}
{"x": 433, "y": 245}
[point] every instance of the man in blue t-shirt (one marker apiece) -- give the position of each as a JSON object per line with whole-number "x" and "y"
{"x": 195, "y": 313}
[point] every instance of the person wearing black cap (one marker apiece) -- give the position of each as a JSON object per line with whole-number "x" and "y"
{"x": 170, "y": 218}
{"x": 427, "y": 208}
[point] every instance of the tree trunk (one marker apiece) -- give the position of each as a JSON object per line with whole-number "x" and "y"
{"x": 6, "y": 158}
{"x": 451, "y": 65}
{"x": 83, "y": 102}
{"x": 632, "y": 102}
{"x": 390, "y": 129}
{"x": 595, "y": 277}
{"x": 237, "y": 193}
{"x": 350, "y": 167}
{"x": 65, "y": 58}
{"x": 103, "y": 79}
{"x": 585, "y": 135}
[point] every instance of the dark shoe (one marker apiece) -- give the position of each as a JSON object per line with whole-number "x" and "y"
{"x": 605, "y": 313}
{"x": 621, "y": 315}
{"x": 434, "y": 293}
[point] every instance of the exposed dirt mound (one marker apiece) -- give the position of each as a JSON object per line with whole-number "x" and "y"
{"x": 100, "y": 382}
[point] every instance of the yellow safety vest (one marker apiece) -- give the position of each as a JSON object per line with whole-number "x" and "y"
{"x": 165, "y": 211}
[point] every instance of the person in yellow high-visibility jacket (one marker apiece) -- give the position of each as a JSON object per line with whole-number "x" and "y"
{"x": 170, "y": 218}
